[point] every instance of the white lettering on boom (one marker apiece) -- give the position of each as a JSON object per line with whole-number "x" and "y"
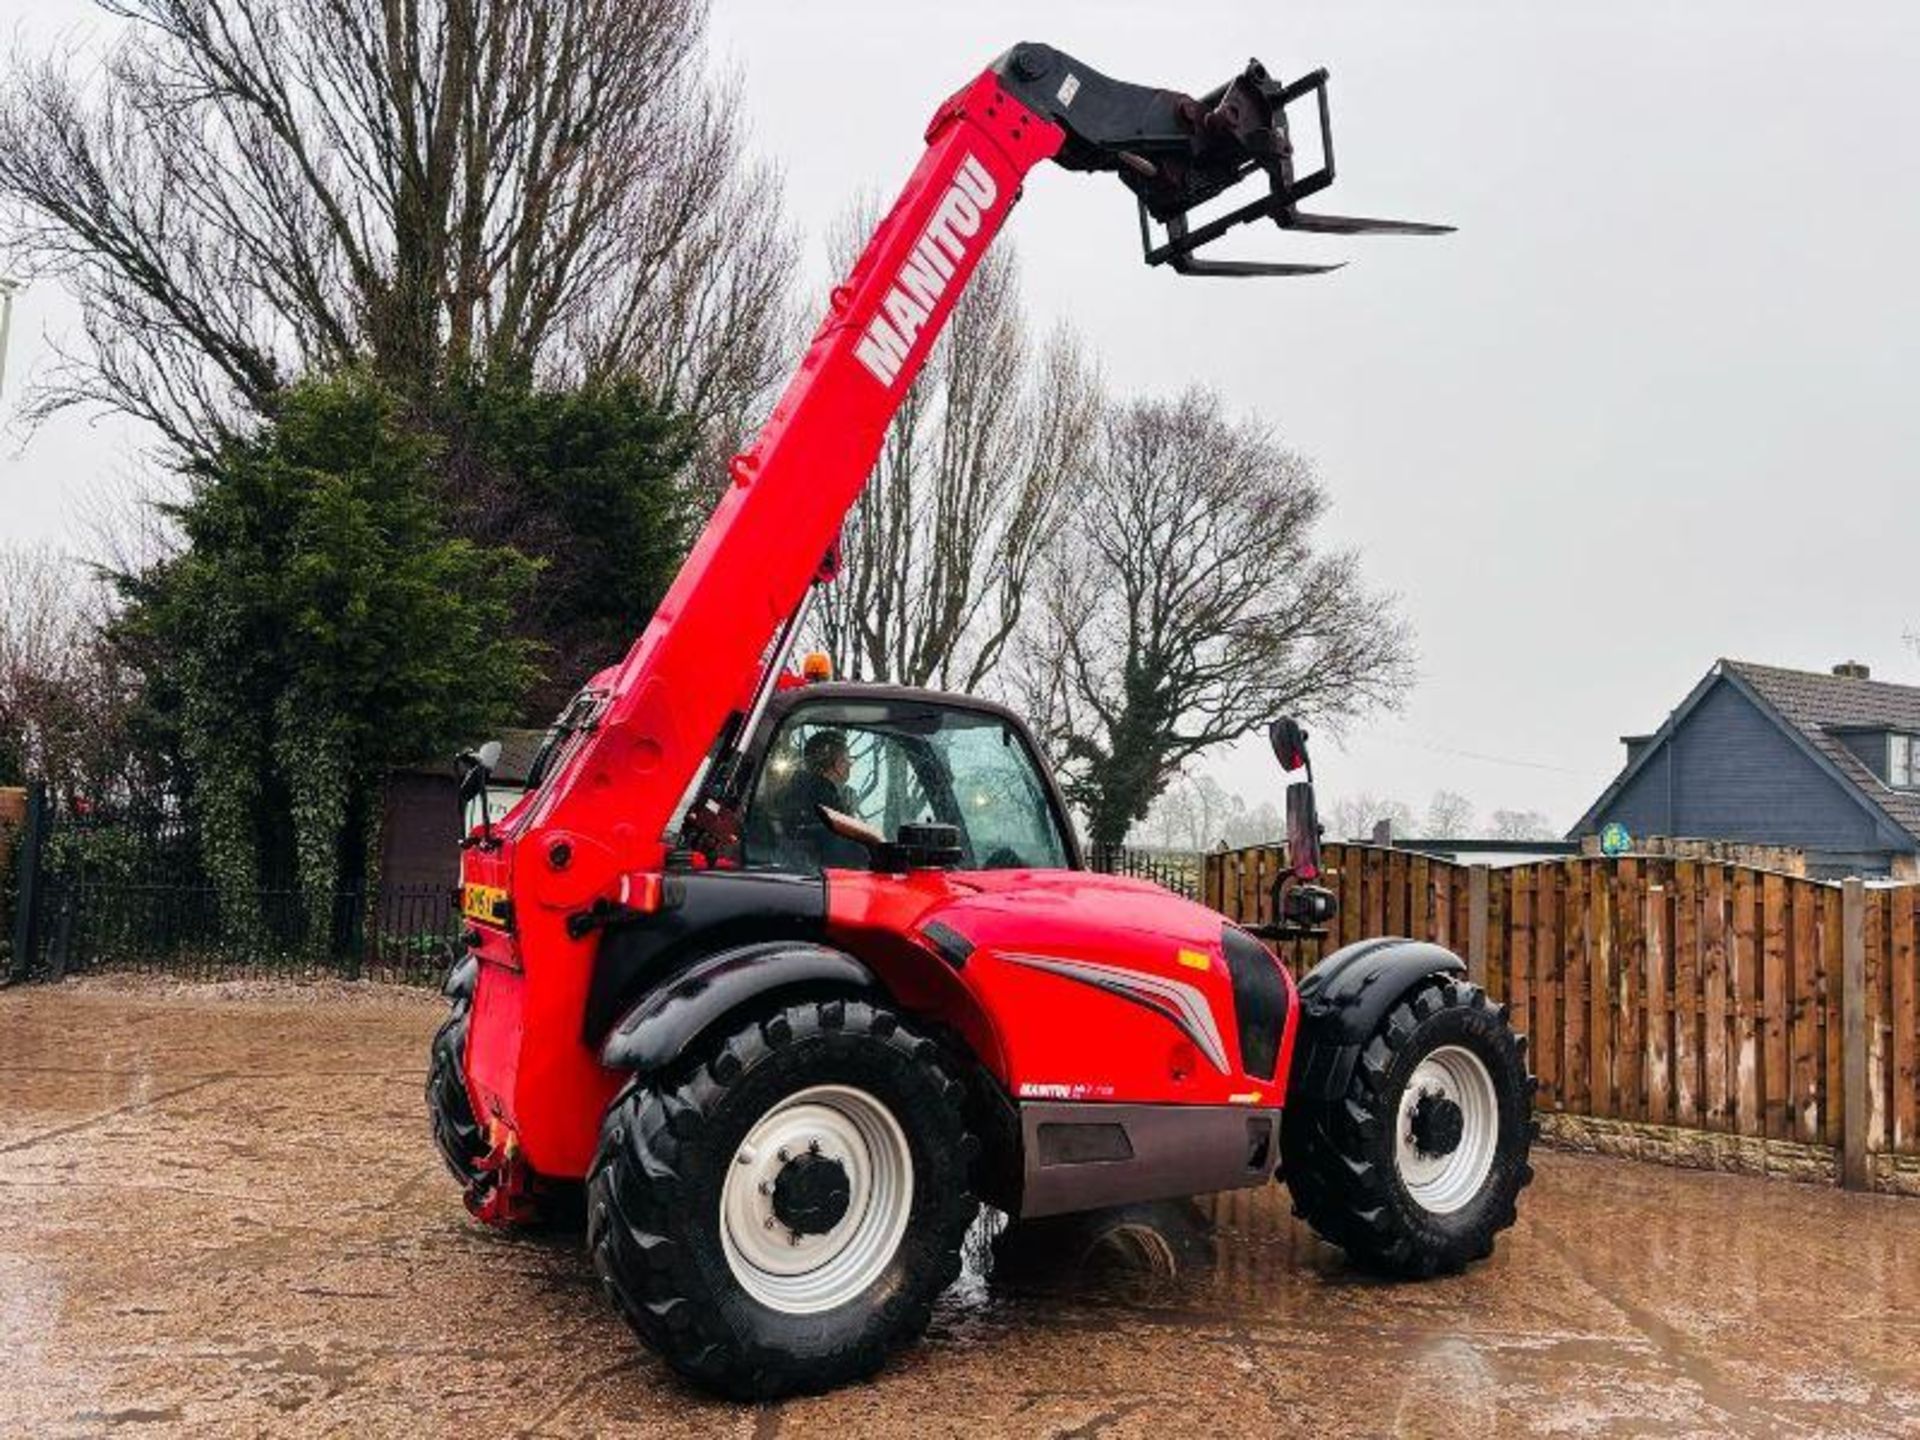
{"x": 924, "y": 275}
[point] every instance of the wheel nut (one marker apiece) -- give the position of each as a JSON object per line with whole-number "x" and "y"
{"x": 813, "y": 1147}
{"x": 769, "y": 1222}
{"x": 782, "y": 1155}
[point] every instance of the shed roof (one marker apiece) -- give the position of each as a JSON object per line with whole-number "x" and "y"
{"x": 517, "y": 749}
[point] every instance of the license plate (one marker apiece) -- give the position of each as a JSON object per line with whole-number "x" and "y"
{"x": 484, "y": 903}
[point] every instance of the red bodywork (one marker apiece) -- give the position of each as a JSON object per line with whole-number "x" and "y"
{"x": 598, "y": 822}
{"x": 1041, "y": 1034}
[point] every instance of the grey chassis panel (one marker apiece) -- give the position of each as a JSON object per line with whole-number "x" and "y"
{"x": 1177, "y": 1150}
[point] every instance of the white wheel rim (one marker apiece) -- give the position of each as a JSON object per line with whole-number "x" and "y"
{"x": 1442, "y": 1184}
{"x": 802, "y": 1274}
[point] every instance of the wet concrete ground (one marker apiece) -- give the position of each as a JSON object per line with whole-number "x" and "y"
{"x": 220, "y": 1214}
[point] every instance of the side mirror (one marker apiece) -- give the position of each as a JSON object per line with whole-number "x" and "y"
{"x": 476, "y": 769}
{"x": 1289, "y": 743}
{"x": 1302, "y": 907}
{"x": 1303, "y": 832}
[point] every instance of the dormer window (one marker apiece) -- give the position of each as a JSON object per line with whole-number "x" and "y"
{"x": 1903, "y": 761}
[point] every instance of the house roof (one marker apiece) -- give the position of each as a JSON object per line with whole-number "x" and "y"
{"x": 1823, "y": 707}
{"x": 1814, "y": 709}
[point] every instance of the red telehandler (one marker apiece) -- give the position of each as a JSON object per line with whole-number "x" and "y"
{"x": 796, "y": 975}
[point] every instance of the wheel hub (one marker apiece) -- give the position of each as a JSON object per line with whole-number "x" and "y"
{"x": 812, "y": 1193}
{"x": 817, "y": 1199}
{"x": 1449, "y": 1129}
{"x": 1437, "y": 1124}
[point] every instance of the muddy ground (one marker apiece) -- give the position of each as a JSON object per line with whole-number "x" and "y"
{"x": 220, "y": 1214}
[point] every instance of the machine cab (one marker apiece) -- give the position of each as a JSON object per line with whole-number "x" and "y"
{"x": 894, "y": 759}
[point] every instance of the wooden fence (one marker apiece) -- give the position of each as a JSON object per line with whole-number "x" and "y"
{"x": 1666, "y": 994}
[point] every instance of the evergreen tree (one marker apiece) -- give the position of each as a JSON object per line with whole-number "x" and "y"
{"x": 589, "y": 482}
{"x": 321, "y": 626}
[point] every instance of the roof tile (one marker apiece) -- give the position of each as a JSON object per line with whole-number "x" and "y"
{"x": 1819, "y": 706}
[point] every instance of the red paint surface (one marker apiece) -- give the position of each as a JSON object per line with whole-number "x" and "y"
{"x": 1034, "y": 1028}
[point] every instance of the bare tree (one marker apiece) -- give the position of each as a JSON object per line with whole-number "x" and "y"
{"x": 941, "y": 551}
{"x": 1260, "y": 824}
{"x": 1186, "y": 604}
{"x": 64, "y": 697}
{"x": 1450, "y": 815}
{"x": 1196, "y": 812}
{"x": 1520, "y": 825}
{"x": 1353, "y": 817}
{"x": 250, "y": 190}
{"x": 1172, "y": 821}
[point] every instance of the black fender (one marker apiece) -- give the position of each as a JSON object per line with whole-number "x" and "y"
{"x": 1344, "y": 998}
{"x": 462, "y": 979}
{"x": 712, "y": 911}
{"x": 657, "y": 1030}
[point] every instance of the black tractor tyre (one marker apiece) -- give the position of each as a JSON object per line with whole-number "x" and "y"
{"x": 456, "y": 1133}
{"x": 462, "y": 1143}
{"x": 656, "y": 1194}
{"x": 1358, "y": 1168}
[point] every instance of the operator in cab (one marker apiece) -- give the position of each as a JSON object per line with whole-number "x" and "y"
{"x": 826, "y": 764}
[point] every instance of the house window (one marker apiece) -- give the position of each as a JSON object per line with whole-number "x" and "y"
{"x": 1903, "y": 761}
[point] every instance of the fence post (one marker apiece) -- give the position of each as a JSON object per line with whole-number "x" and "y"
{"x": 1658, "y": 990}
{"x": 33, "y": 841}
{"x": 355, "y": 899}
{"x": 1477, "y": 906}
{"x": 1854, "y": 1080}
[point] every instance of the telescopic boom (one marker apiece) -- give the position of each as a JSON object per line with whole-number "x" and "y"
{"x": 613, "y": 798}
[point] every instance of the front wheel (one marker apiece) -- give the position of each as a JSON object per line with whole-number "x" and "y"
{"x": 782, "y": 1217}
{"x": 1420, "y": 1163}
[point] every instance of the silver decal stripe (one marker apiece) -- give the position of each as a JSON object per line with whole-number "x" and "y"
{"x": 1180, "y": 1003}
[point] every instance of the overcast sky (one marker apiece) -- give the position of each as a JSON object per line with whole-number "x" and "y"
{"x": 1654, "y": 404}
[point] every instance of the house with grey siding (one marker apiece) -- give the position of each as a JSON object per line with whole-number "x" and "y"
{"x": 1824, "y": 763}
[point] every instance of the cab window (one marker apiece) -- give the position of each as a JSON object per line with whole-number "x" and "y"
{"x": 893, "y": 764}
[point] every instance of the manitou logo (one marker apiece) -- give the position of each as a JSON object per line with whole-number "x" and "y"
{"x": 923, "y": 279}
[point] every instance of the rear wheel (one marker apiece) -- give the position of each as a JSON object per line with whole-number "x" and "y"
{"x": 456, "y": 1134}
{"x": 1418, "y": 1166}
{"x": 782, "y": 1215}
{"x": 533, "y": 1201}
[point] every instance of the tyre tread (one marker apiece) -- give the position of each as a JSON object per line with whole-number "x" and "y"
{"x": 635, "y": 1197}
{"x": 1330, "y": 1162}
